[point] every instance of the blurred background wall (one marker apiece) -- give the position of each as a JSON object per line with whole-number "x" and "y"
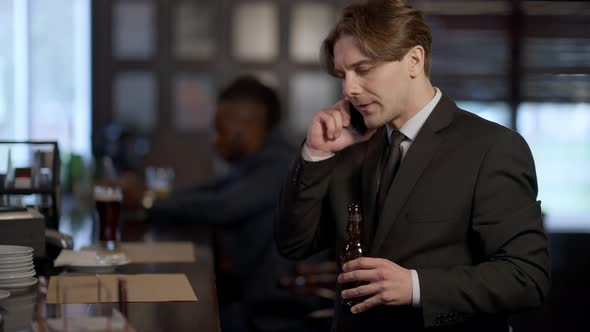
{"x": 145, "y": 74}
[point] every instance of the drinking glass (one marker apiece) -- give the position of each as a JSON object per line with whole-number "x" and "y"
{"x": 108, "y": 201}
{"x": 159, "y": 180}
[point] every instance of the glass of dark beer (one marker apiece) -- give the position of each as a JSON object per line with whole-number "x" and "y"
{"x": 108, "y": 207}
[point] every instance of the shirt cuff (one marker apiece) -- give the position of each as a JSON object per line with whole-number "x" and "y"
{"x": 415, "y": 289}
{"x": 308, "y": 157}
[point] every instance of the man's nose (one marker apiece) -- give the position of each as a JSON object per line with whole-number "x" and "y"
{"x": 351, "y": 87}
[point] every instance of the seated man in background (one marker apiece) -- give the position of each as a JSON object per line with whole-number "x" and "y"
{"x": 243, "y": 201}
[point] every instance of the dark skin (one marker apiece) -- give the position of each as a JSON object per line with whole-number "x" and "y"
{"x": 240, "y": 128}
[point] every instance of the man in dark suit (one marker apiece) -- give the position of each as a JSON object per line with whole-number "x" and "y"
{"x": 452, "y": 225}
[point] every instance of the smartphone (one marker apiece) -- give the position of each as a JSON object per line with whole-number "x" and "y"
{"x": 357, "y": 122}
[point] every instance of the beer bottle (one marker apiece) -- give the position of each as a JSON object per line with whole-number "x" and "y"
{"x": 353, "y": 248}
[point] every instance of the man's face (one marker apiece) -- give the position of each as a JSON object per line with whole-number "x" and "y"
{"x": 379, "y": 90}
{"x": 227, "y": 136}
{"x": 240, "y": 128}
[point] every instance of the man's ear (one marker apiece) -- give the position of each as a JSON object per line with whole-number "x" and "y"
{"x": 416, "y": 61}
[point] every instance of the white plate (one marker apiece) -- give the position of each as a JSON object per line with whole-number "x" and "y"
{"x": 19, "y": 255}
{"x": 16, "y": 269}
{"x": 6, "y": 250}
{"x": 4, "y": 294}
{"x": 92, "y": 262}
{"x": 5, "y": 274}
{"x": 5, "y": 277}
{"x": 93, "y": 268}
{"x": 97, "y": 267}
{"x": 15, "y": 265}
{"x": 17, "y": 259}
{"x": 19, "y": 285}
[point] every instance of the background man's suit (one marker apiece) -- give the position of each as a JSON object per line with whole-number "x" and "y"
{"x": 462, "y": 212}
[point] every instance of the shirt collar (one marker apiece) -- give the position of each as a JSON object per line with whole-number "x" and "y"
{"x": 412, "y": 127}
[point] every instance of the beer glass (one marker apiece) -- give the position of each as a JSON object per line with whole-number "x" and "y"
{"x": 159, "y": 180}
{"x": 108, "y": 207}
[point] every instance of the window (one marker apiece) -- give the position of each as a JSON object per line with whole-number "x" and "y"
{"x": 45, "y": 72}
{"x": 310, "y": 23}
{"x": 497, "y": 112}
{"x": 7, "y": 114}
{"x": 559, "y": 137}
{"x": 255, "y": 31}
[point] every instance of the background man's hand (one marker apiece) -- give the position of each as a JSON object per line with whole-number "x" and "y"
{"x": 327, "y": 134}
{"x": 384, "y": 282}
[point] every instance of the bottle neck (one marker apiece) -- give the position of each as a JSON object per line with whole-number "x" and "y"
{"x": 353, "y": 229}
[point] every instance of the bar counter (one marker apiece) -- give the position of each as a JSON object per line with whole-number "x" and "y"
{"x": 20, "y": 310}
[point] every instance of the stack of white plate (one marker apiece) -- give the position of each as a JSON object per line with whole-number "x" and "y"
{"x": 16, "y": 268}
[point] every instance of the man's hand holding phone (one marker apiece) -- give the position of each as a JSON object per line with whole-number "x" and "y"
{"x": 328, "y": 131}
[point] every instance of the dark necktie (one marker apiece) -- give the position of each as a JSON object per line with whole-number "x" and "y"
{"x": 390, "y": 164}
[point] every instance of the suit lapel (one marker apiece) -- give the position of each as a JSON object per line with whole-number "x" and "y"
{"x": 369, "y": 182}
{"x": 421, "y": 152}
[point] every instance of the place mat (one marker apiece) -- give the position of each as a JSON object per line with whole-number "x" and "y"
{"x": 140, "y": 288}
{"x": 159, "y": 252}
{"x": 156, "y": 252}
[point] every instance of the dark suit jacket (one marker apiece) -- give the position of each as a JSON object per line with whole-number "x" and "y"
{"x": 462, "y": 211}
